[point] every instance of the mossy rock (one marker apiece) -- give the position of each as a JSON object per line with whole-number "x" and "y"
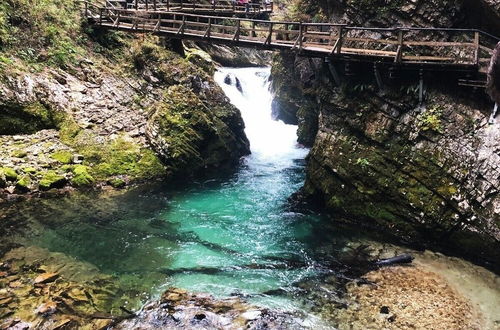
{"x": 9, "y": 173}
{"x": 117, "y": 183}
{"x": 63, "y": 156}
{"x": 23, "y": 185}
{"x": 52, "y": 180}
{"x": 19, "y": 153}
{"x": 29, "y": 170}
{"x": 81, "y": 176}
{"x": 190, "y": 133}
{"x": 202, "y": 60}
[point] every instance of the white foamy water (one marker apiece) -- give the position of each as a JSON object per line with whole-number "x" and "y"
{"x": 270, "y": 140}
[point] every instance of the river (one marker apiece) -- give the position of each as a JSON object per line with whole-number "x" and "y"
{"x": 232, "y": 234}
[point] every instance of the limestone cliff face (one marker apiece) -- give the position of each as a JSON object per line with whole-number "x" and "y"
{"x": 426, "y": 175}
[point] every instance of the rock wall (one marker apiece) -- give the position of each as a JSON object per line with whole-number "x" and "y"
{"x": 425, "y": 175}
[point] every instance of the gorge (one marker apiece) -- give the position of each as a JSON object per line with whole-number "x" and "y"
{"x": 143, "y": 185}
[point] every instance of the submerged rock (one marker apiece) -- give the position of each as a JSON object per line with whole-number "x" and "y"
{"x": 45, "y": 278}
{"x": 178, "y": 309}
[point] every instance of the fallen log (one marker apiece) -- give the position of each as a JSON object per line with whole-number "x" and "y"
{"x": 401, "y": 259}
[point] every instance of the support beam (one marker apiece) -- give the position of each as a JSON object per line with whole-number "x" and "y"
{"x": 334, "y": 72}
{"x": 421, "y": 92}
{"x": 378, "y": 77}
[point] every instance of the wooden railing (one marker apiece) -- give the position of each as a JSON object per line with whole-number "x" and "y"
{"x": 216, "y": 6}
{"x": 401, "y": 46}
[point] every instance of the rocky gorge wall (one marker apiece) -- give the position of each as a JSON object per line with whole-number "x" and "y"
{"x": 82, "y": 107}
{"x": 425, "y": 175}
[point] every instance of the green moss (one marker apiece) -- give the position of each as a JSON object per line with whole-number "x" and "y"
{"x": 51, "y": 179}
{"x": 81, "y": 176}
{"x": 68, "y": 130}
{"x": 63, "y": 156}
{"x": 121, "y": 157}
{"x": 201, "y": 59}
{"x": 24, "y": 183}
{"x": 19, "y": 153}
{"x": 117, "y": 183}
{"x": 10, "y": 174}
{"x": 29, "y": 170}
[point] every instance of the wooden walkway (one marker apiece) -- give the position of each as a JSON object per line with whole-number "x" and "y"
{"x": 213, "y": 7}
{"x": 415, "y": 48}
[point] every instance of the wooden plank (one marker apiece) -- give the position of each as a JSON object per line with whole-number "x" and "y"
{"x": 368, "y": 51}
{"x": 380, "y": 41}
{"x": 439, "y": 44}
{"x": 429, "y": 58}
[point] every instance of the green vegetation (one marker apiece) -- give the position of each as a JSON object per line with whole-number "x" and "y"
{"x": 117, "y": 183}
{"x": 29, "y": 170}
{"x": 430, "y": 120}
{"x": 63, "y": 156}
{"x": 81, "y": 176}
{"x": 363, "y": 162}
{"x": 41, "y": 32}
{"x": 50, "y": 180}
{"x": 23, "y": 184}
{"x": 9, "y": 173}
{"x": 120, "y": 157}
{"x": 19, "y": 153}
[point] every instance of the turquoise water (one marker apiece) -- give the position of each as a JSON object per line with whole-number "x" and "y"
{"x": 227, "y": 235}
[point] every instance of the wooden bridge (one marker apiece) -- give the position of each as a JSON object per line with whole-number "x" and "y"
{"x": 213, "y": 7}
{"x": 429, "y": 49}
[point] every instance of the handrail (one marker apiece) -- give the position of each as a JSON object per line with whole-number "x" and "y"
{"x": 391, "y": 29}
{"x": 394, "y": 44}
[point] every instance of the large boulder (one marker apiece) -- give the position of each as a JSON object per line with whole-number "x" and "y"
{"x": 193, "y": 134}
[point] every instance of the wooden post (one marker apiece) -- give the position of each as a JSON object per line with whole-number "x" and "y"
{"x": 147, "y": 5}
{"x": 301, "y": 34}
{"x": 399, "y": 52}
{"x": 136, "y": 5}
{"x": 86, "y": 9}
{"x": 270, "y": 35}
{"x": 238, "y": 31}
{"x": 207, "y": 33}
{"x": 253, "y": 29}
{"x": 154, "y": 5}
{"x": 476, "y": 49}
{"x": 340, "y": 40}
{"x": 168, "y": 5}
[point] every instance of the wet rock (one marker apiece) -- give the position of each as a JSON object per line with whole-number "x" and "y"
{"x": 15, "y": 324}
{"x": 45, "y": 278}
{"x": 251, "y": 315}
{"x": 6, "y": 301}
{"x": 178, "y": 309}
{"x": 63, "y": 324}
{"x": 15, "y": 284}
{"x": 47, "y": 308}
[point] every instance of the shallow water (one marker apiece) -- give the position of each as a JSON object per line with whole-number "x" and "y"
{"x": 229, "y": 235}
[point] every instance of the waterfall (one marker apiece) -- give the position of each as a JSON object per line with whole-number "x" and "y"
{"x": 271, "y": 141}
